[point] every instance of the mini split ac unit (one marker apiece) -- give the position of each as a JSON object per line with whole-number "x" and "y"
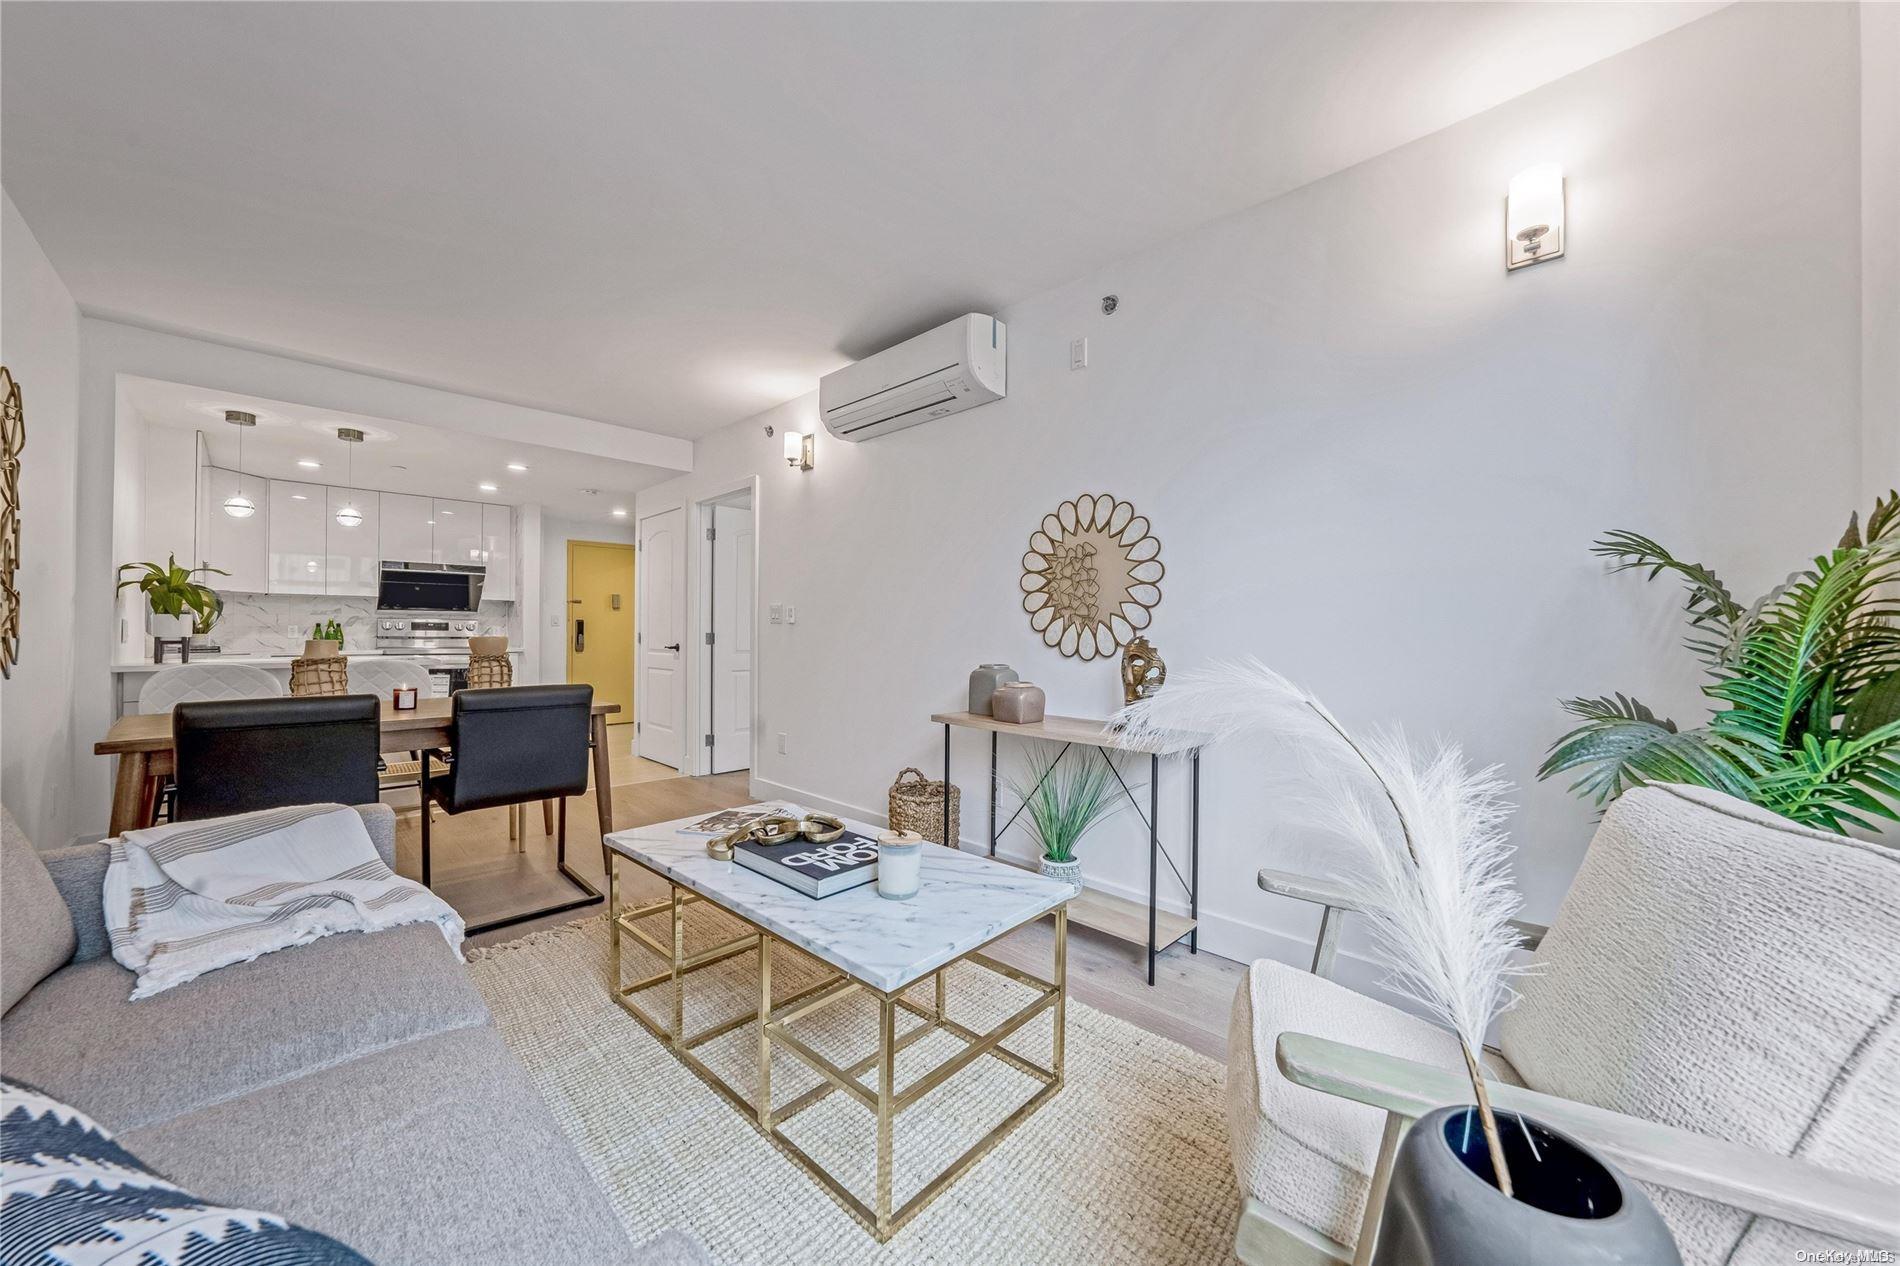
{"x": 952, "y": 368}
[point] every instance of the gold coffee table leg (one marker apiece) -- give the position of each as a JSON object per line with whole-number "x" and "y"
{"x": 679, "y": 953}
{"x": 1062, "y": 990}
{"x": 765, "y": 1036}
{"x": 886, "y": 1106}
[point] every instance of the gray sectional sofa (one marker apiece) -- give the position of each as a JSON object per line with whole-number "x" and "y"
{"x": 355, "y": 1085}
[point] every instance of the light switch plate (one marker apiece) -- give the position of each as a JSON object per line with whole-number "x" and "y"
{"x": 775, "y": 613}
{"x": 1079, "y": 353}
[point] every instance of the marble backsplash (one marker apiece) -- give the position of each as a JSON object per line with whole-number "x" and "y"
{"x": 278, "y": 623}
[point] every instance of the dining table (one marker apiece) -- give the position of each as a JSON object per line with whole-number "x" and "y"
{"x": 143, "y": 744}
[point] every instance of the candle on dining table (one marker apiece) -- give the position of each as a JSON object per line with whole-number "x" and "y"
{"x": 900, "y": 864}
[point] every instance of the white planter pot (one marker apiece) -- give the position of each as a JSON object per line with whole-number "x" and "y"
{"x": 1068, "y": 872}
{"x": 169, "y": 626}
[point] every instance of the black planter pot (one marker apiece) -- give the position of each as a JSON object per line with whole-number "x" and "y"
{"x": 1570, "y": 1207}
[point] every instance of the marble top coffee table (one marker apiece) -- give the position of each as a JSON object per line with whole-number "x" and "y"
{"x": 872, "y": 945}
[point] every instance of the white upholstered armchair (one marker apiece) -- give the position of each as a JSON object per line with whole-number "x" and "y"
{"x": 1716, "y": 1009}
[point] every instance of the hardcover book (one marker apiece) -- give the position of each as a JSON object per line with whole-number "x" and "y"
{"x": 732, "y": 819}
{"x": 817, "y": 870}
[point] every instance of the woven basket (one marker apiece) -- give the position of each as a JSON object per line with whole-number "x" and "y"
{"x": 917, "y": 805}
{"x": 485, "y": 672}
{"x": 329, "y": 675}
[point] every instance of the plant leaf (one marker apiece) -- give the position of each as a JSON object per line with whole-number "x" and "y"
{"x": 1623, "y": 744}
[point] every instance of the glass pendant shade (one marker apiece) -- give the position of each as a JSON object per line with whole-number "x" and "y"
{"x": 349, "y": 516}
{"x": 239, "y": 506}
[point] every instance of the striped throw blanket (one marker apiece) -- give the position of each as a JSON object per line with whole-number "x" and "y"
{"x": 188, "y": 897}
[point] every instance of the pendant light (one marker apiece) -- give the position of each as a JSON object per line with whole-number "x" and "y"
{"x": 237, "y": 505}
{"x": 347, "y": 514}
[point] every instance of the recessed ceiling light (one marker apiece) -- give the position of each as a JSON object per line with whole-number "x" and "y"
{"x": 486, "y": 487}
{"x": 310, "y": 463}
{"x": 448, "y": 512}
{"x": 619, "y": 513}
{"x": 518, "y": 468}
{"x": 399, "y": 468}
{"x": 298, "y": 496}
{"x": 431, "y": 522}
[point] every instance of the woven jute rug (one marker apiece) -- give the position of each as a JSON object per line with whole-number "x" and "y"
{"x": 1127, "y": 1163}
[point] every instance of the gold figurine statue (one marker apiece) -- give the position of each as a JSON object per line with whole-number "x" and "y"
{"x": 1142, "y": 669}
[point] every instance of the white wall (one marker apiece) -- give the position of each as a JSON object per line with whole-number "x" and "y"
{"x": 39, "y": 343}
{"x": 556, "y": 532}
{"x": 1880, "y": 245}
{"x": 1371, "y": 456}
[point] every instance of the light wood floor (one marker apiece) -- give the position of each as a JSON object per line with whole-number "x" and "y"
{"x": 477, "y": 870}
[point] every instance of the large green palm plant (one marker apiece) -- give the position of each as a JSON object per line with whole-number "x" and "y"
{"x": 1809, "y": 680}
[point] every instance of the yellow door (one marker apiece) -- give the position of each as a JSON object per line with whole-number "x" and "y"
{"x": 600, "y": 622}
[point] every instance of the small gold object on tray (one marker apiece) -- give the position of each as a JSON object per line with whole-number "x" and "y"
{"x": 777, "y": 828}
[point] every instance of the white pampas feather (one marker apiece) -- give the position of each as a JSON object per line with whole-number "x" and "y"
{"x": 1424, "y": 832}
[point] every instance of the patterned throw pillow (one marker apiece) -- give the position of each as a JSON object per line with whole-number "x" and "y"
{"x": 70, "y": 1195}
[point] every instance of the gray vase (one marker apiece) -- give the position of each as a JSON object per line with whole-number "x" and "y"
{"x": 1570, "y": 1207}
{"x": 984, "y": 679}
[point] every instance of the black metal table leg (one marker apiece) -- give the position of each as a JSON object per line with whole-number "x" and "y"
{"x": 1154, "y": 853}
{"x": 947, "y": 841}
{"x": 992, "y": 793}
{"x": 1194, "y": 849}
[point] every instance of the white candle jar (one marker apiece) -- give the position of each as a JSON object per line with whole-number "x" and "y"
{"x": 900, "y": 864}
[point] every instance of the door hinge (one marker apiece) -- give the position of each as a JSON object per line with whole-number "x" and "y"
{"x": 636, "y": 727}
{"x": 710, "y": 533}
{"x": 709, "y": 740}
{"x": 709, "y": 639}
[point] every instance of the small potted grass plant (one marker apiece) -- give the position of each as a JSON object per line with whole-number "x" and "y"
{"x": 1062, "y": 802}
{"x": 179, "y": 605}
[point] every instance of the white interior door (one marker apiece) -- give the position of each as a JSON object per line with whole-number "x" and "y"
{"x": 730, "y": 675}
{"x": 659, "y": 695}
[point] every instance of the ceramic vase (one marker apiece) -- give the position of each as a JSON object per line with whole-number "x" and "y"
{"x": 984, "y": 679}
{"x": 1018, "y": 702}
{"x": 168, "y": 626}
{"x": 321, "y": 648}
{"x": 1569, "y": 1207}
{"x": 1068, "y": 872}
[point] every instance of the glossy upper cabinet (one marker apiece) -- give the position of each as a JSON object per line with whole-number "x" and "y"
{"x": 498, "y": 552}
{"x": 353, "y": 554}
{"x": 295, "y": 535}
{"x": 237, "y": 547}
{"x": 458, "y": 532}
{"x": 406, "y": 533}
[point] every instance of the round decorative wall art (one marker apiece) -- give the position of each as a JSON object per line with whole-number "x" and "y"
{"x": 1091, "y": 576}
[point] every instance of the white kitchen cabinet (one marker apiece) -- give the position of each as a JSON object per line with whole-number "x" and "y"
{"x": 295, "y": 536}
{"x": 498, "y": 552}
{"x": 239, "y": 547}
{"x": 458, "y": 532}
{"x": 405, "y": 533}
{"x": 353, "y": 555}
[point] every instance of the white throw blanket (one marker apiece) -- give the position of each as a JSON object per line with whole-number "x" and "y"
{"x": 188, "y": 897}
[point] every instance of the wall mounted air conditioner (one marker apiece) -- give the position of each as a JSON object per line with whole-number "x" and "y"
{"x": 952, "y": 368}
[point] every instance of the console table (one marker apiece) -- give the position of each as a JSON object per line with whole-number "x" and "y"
{"x": 1125, "y": 920}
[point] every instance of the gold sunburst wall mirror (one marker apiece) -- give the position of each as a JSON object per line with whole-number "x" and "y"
{"x": 1092, "y": 576}
{"x": 12, "y": 441}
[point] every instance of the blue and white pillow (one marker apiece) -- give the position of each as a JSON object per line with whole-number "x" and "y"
{"x": 70, "y": 1195}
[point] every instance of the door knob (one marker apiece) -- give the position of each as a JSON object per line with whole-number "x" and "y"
{"x": 675, "y": 646}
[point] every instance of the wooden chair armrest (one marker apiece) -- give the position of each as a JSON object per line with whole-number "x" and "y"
{"x": 1533, "y": 934}
{"x": 1323, "y": 892}
{"x": 1853, "y": 1207}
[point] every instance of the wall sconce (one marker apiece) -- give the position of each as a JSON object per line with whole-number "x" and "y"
{"x": 798, "y": 450}
{"x": 1534, "y": 217}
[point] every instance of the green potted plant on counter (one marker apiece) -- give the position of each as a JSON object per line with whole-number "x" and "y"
{"x": 178, "y": 605}
{"x": 1062, "y": 802}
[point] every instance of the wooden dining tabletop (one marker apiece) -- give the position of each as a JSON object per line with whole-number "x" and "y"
{"x": 143, "y": 744}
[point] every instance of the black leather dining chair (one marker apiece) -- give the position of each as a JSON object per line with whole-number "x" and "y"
{"x": 510, "y": 745}
{"x": 237, "y": 755}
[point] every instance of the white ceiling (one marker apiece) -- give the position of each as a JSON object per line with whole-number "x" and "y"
{"x": 670, "y": 216}
{"x": 393, "y": 457}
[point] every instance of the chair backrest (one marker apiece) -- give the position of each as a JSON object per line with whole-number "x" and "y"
{"x": 1720, "y": 968}
{"x": 379, "y": 676}
{"x": 519, "y": 743}
{"x": 238, "y": 755}
{"x": 194, "y": 683}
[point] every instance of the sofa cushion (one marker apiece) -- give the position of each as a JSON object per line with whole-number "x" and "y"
{"x": 236, "y": 1029}
{"x": 39, "y": 927}
{"x": 438, "y": 1150}
{"x": 71, "y": 1193}
{"x": 1305, "y": 1154}
{"x": 1721, "y": 969}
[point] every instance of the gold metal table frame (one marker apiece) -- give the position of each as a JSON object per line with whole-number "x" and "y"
{"x": 887, "y": 1102}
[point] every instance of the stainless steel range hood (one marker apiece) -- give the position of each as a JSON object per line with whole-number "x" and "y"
{"x": 429, "y": 586}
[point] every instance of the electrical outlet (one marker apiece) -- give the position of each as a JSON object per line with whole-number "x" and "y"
{"x": 781, "y": 742}
{"x": 1079, "y": 353}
